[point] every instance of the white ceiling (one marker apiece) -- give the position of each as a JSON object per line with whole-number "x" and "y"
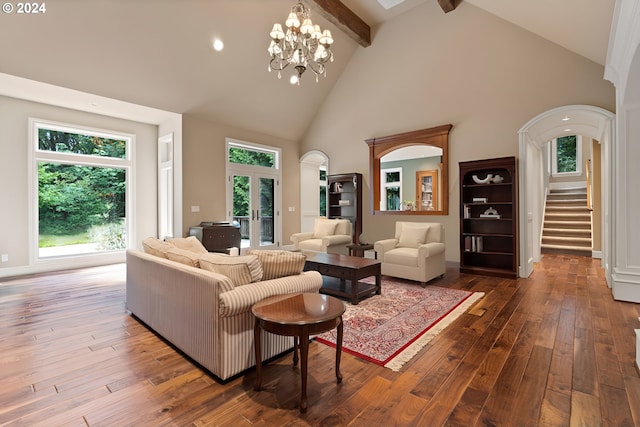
{"x": 157, "y": 53}
{"x": 581, "y": 26}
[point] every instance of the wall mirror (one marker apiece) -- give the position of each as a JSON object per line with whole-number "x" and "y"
{"x": 410, "y": 172}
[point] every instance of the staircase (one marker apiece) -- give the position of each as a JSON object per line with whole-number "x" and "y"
{"x": 567, "y": 223}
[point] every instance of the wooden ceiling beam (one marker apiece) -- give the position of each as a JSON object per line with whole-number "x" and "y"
{"x": 447, "y": 5}
{"x": 345, "y": 19}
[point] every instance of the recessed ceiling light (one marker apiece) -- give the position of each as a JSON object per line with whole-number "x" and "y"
{"x": 565, "y": 119}
{"x": 567, "y": 130}
{"x": 218, "y": 45}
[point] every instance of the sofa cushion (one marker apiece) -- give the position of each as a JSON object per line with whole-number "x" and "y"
{"x": 190, "y": 243}
{"x": 324, "y": 229}
{"x": 279, "y": 263}
{"x": 241, "y": 270}
{"x": 311, "y": 245}
{"x": 156, "y": 247}
{"x": 184, "y": 256}
{"x": 412, "y": 235}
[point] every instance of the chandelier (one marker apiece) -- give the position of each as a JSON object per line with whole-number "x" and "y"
{"x": 304, "y": 46}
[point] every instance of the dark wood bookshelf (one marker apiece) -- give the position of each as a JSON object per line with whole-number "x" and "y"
{"x": 345, "y": 200}
{"x": 489, "y": 244}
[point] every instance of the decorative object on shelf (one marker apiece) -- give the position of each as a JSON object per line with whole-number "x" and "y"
{"x": 304, "y": 45}
{"x": 490, "y": 213}
{"x": 480, "y": 200}
{"x": 344, "y": 202}
{"x": 409, "y": 205}
{"x": 487, "y": 180}
{"x": 337, "y": 187}
{"x": 498, "y": 179}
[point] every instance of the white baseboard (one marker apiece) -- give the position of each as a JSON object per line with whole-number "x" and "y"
{"x": 596, "y": 254}
{"x": 625, "y": 286}
{"x": 66, "y": 263}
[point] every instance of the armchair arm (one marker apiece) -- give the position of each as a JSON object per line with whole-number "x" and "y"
{"x": 430, "y": 249}
{"x": 296, "y": 238}
{"x": 381, "y": 246}
{"x": 335, "y": 240}
{"x": 338, "y": 239}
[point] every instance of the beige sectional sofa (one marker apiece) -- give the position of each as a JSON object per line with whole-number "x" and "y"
{"x": 207, "y": 315}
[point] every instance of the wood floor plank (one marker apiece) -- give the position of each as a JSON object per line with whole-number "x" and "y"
{"x": 632, "y": 387}
{"x": 555, "y": 409}
{"x": 584, "y": 366}
{"x": 499, "y": 406}
{"x": 614, "y": 406}
{"x": 585, "y": 410}
{"x": 530, "y": 393}
{"x": 554, "y": 349}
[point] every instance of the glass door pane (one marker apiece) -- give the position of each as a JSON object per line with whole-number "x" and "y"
{"x": 254, "y": 209}
{"x": 266, "y": 219}
{"x": 242, "y": 207}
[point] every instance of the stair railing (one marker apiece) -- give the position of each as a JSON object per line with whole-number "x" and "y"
{"x": 588, "y": 172}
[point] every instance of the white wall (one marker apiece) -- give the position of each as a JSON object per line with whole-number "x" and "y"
{"x": 469, "y": 68}
{"x": 203, "y": 149}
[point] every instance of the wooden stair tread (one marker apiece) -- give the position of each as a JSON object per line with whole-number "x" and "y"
{"x": 567, "y": 222}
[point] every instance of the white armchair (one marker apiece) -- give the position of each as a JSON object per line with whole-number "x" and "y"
{"x": 328, "y": 235}
{"x": 416, "y": 252}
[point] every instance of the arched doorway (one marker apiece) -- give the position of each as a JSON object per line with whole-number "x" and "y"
{"x": 592, "y": 122}
{"x": 311, "y": 165}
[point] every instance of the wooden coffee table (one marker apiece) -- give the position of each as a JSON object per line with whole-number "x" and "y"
{"x": 342, "y": 274}
{"x": 298, "y": 315}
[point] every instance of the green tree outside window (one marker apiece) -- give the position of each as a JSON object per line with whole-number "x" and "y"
{"x": 566, "y": 148}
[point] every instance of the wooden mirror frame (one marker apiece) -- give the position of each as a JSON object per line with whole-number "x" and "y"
{"x": 437, "y": 137}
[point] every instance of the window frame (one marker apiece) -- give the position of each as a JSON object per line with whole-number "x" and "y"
{"x": 384, "y": 184}
{"x": 324, "y": 183}
{"x": 36, "y": 156}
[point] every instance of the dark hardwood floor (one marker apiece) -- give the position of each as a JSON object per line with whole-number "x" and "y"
{"x": 554, "y": 349}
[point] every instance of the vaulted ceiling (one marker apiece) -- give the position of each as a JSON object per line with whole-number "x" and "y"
{"x": 158, "y": 53}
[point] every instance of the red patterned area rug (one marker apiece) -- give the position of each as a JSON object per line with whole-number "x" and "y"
{"x": 391, "y": 328}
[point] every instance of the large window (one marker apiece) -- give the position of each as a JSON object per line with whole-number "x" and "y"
{"x": 566, "y": 152}
{"x": 81, "y": 181}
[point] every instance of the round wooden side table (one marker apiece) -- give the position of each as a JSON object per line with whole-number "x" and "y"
{"x": 298, "y": 315}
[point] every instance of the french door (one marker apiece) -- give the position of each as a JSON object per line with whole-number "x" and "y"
{"x": 253, "y": 202}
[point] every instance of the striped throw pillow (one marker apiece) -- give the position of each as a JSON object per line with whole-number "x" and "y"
{"x": 279, "y": 263}
{"x": 184, "y": 256}
{"x": 156, "y": 247}
{"x": 241, "y": 270}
